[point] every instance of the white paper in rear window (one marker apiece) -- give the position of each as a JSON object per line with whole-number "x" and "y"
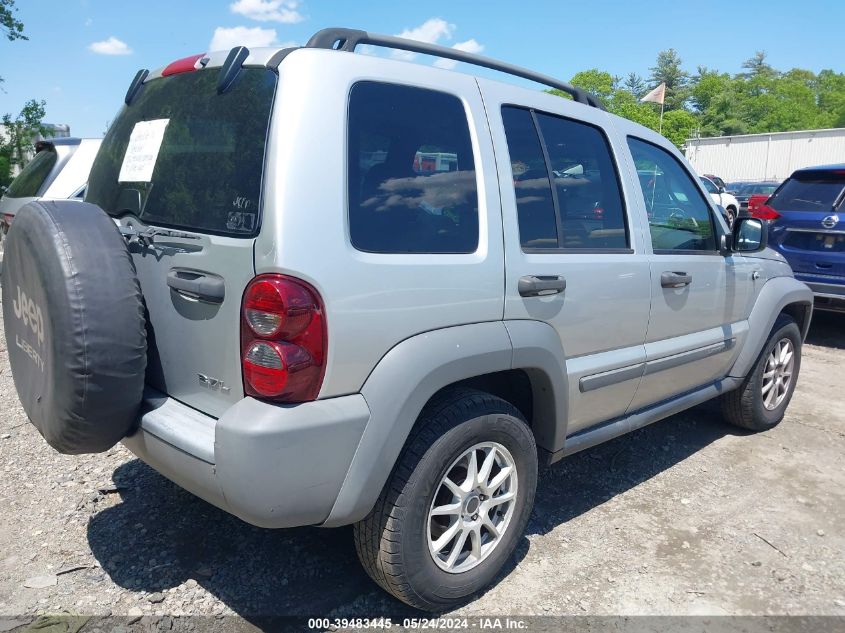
{"x": 142, "y": 151}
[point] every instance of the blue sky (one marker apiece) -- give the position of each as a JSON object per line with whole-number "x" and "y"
{"x": 82, "y": 54}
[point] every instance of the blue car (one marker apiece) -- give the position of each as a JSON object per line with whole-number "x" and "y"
{"x": 807, "y": 226}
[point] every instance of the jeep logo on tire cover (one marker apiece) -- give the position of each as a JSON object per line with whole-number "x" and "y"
{"x": 30, "y": 313}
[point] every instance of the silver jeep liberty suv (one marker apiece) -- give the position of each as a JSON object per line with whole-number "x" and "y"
{"x": 315, "y": 287}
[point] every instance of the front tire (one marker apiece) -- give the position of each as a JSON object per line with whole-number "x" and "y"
{"x": 456, "y": 503}
{"x": 759, "y": 404}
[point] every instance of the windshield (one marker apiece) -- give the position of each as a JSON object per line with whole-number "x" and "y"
{"x": 29, "y": 181}
{"x": 183, "y": 156}
{"x": 818, "y": 191}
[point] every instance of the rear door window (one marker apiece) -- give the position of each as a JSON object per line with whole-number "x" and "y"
{"x": 815, "y": 191}
{"x": 197, "y": 157}
{"x": 412, "y": 185}
{"x": 29, "y": 182}
{"x": 584, "y": 210}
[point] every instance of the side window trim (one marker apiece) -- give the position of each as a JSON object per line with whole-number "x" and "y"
{"x": 551, "y": 175}
{"x": 560, "y": 250}
{"x": 697, "y": 188}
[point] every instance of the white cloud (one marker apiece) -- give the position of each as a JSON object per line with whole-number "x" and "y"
{"x": 285, "y": 11}
{"x": 111, "y": 46}
{"x": 431, "y": 31}
{"x": 227, "y": 38}
{"x": 470, "y": 46}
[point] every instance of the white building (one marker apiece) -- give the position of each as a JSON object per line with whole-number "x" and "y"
{"x": 765, "y": 156}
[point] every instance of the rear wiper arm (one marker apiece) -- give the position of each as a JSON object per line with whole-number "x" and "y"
{"x": 148, "y": 235}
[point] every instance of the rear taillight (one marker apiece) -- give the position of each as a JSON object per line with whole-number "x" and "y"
{"x": 757, "y": 200}
{"x": 763, "y": 212}
{"x": 283, "y": 339}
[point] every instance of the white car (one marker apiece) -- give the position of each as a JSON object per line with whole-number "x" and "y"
{"x": 59, "y": 171}
{"x": 721, "y": 197}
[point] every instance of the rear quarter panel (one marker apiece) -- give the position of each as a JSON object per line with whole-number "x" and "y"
{"x": 373, "y": 301}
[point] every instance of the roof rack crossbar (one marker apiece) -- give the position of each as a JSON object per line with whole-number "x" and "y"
{"x": 348, "y": 39}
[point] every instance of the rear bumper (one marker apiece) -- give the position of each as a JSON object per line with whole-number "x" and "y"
{"x": 272, "y": 466}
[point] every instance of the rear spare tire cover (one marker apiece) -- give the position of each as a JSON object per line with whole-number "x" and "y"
{"x": 74, "y": 321}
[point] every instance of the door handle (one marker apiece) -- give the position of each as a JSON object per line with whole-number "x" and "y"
{"x": 675, "y": 280}
{"x": 196, "y": 285}
{"x": 540, "y": 285}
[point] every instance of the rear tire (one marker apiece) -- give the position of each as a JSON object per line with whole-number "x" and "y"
{"x": 760, "y": 402}
{"x": 395, "y": 542}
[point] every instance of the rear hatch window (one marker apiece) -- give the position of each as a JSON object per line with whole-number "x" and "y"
{"x": 29, "y": 182}
{"x": 813, "y": 191}
{"x": 183, "y": 156}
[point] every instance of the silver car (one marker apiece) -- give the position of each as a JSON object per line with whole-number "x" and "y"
{"x": 58, "y": 171}
{"x": 334, "y": 289}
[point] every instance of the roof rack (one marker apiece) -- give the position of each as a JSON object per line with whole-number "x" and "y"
{"x": 348, "y": 39}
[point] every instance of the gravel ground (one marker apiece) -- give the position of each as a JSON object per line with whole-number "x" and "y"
{"x": 687, "y": 516}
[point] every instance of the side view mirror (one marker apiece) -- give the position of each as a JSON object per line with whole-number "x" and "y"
{"x": 750, "y": 235}
{"x": 722, "y": 190}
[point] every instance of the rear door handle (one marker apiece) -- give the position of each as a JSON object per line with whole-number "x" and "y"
{"x": 540, "y": 285}
{"x": 196, "y": 285}
{"x": 675, "y": 279}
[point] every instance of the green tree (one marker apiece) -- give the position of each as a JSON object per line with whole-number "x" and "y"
{"x": 18, "y": 132}
{"x": 712, "y": 103}
{"x": 11, "y": 28}
{"x": 668, "y": 70}
{"x": 679, "y": 125}
{"x": 16, "y": 143}
{"x": 757, "y": 66}
{"x": 635, "y": 85}
{"x": 831, "y": 98}
{"x": 627, "y": 105}
{"x": 597, "y": 82}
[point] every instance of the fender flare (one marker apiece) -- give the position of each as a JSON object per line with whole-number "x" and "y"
{"x": 409, "y": 375}
{"x": 776, "y": 294}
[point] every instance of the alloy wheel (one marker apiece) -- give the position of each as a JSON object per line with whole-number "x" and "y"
{"x": 472, "y": 507}
{"x": 777, "y": 373}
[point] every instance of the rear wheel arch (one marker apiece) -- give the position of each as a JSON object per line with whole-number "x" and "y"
{"x": 481, "y": 356}
{"x": 531, "y": 391}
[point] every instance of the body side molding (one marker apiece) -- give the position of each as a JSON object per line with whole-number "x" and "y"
{"x": 608, "y": 430}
